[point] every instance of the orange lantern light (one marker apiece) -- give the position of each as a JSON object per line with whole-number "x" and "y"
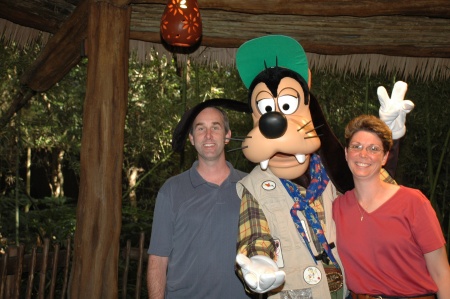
{"x": 181, "y": 24}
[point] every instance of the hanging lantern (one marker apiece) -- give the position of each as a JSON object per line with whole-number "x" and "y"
{"x": 181, "y": 24}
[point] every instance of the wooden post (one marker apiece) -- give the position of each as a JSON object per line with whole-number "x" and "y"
{"x": 99, "y": 216}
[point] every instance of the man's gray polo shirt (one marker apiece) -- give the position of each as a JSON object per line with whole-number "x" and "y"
{"x": 196, "y": 225}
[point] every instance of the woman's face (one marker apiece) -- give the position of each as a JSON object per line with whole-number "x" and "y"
{"x": 365, "y": 155}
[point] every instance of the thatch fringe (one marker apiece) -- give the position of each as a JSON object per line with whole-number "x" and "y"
{"x": 424, "y": 69}
{"x": 21, "y": 36}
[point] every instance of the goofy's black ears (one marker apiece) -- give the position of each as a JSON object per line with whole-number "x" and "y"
{"x": 184, "y": 125}
{"x": 331, "y": 151}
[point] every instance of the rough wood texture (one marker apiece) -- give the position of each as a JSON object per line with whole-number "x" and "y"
{"x": 401, "y": 28}
{"x": 397, "y": 36}
{"x": 365, "y": 8}
{"x": 61, "y": 54}
{"x": 99, "y": 217}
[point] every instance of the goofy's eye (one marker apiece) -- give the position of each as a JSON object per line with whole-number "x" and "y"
{"x": 288, "y": 104}
{"x": 266, "y": 105}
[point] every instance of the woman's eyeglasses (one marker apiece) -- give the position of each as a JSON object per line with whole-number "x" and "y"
{"x": 371, "y": 149}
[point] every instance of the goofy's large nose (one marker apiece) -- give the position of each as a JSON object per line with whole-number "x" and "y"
{"x": 273, "y": 125}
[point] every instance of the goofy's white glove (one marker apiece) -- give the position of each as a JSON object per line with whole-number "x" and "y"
{"x": 260, "y": 272}
{"x": 393, "y": 110}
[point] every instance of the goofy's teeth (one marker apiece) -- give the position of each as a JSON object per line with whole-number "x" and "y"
{"x": 300, "y": 158}
{"x": 264, "y": 164}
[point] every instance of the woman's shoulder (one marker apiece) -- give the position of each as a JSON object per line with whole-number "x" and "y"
{"x": 410, "y": 191}
{"x": 343, "y": 198}
{"x": 412, "y": 195}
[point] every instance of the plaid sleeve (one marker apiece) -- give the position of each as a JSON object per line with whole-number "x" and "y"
{"x": 254, "y": 233}
{"x": 384, "y": 175}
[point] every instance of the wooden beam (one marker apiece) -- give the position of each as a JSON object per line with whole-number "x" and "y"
{"x": 99, "y": 216}
{"x": 364, "y": 8}
{"x": 318, "y": 47}
{"x": 323, "y": 26}
{"x": 38, "y": 15}
{"x": 22, "y": 97}
{"x": 343, "y": 35}
{"x": 26, "y": 18}
{"x": 61, "y": 54}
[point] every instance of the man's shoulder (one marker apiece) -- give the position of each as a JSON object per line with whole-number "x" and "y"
{"x": 236, "y": 173}
{"x": 240, "y": 173}
{"x": 177, "y": 179}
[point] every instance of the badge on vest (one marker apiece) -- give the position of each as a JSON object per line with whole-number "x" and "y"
{"x": 312, "y": 275}
{"x": 268, "y": 185}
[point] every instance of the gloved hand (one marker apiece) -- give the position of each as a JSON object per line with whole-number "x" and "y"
{"x": 261, "y": 273}
{"x": 393, "y": 110}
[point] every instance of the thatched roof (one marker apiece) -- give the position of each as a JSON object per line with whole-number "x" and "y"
{"x": 409, "y": 38}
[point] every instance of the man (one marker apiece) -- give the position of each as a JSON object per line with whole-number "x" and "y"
{"x": 193, "y": 242}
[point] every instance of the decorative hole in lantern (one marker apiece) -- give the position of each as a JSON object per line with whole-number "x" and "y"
{"x": 181, "y": 24}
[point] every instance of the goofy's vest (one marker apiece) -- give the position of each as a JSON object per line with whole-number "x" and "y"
{"x": 305, "y": 276}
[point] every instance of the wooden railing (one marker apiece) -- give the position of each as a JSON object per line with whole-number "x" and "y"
{"x": 44, "y": 273}
{"x": 139, "y": 255}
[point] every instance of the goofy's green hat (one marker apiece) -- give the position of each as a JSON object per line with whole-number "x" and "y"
{"x": 269, "y": 51}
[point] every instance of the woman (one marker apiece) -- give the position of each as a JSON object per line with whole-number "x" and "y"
{"x": 388, "y": 236}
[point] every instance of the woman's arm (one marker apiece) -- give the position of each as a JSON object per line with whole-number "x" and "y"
{"x": 437, "y": 264}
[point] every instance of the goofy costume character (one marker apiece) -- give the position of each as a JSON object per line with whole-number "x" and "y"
{"x": 287, "y": 240}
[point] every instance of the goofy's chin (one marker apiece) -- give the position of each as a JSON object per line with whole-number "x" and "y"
{"x": 288, "y": 167}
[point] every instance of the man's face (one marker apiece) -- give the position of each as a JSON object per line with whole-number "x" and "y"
{"x": 208, "y": 135}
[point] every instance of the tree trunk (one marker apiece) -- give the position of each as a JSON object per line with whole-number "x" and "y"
{"x": 28, "y": 179}
{"x": 132, "y": 176}
{"x": 28, "y": 175}
{"x": 99, "y": 217}
{"x": 56, "y": 175}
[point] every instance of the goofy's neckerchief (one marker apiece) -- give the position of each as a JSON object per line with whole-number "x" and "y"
{"x": 319, "y": 181}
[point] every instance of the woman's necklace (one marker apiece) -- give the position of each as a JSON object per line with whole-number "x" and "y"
{"x": 359, "y": 208}
{"x": 372, "y": 204}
